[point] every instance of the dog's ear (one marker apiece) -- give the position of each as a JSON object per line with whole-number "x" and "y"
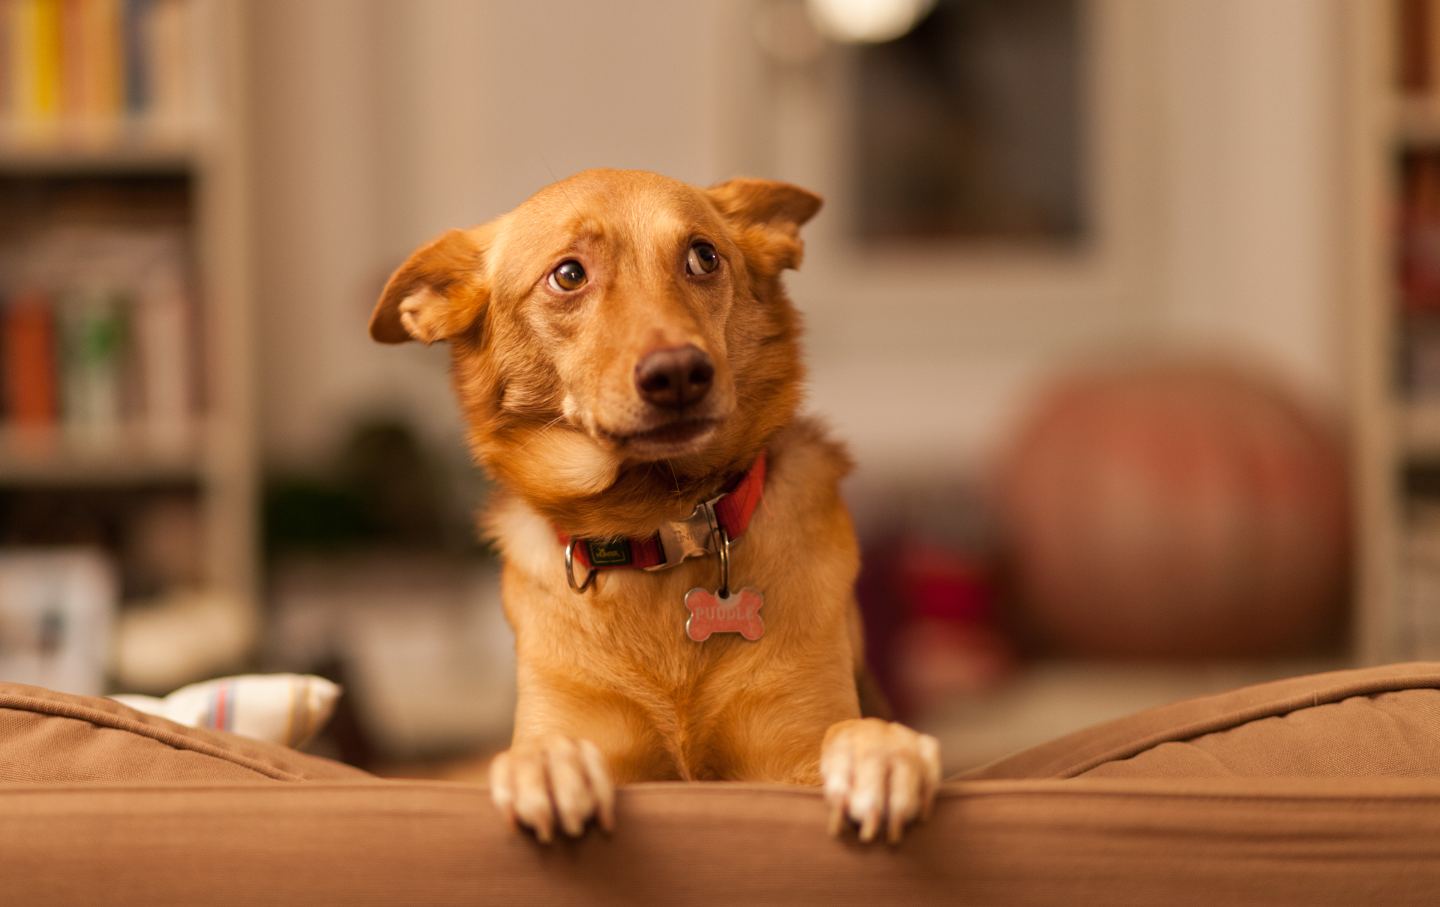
{"x": 437, "y": 293}
{"x": 767, "y": 216}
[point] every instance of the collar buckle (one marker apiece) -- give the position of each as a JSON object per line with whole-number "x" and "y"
{"x": 693, "y": 536}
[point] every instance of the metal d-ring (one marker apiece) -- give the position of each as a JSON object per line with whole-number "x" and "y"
{"x": 724, "y": 550}
{"x": 570, "y": 569}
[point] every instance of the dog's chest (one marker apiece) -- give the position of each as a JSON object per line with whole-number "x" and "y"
{"x": 680, "y": 689}
{"x": 685, "y": 701}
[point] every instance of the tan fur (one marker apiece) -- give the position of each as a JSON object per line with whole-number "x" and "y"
{"x": 546, "y": 383}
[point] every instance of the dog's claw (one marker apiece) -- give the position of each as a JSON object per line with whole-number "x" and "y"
{"x": 882, "y": 776}
{"x": 598, "y": 778}
{"x": 556, "y": 782}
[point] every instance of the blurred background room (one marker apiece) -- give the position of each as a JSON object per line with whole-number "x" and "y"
{"x": 1126, "y": 308}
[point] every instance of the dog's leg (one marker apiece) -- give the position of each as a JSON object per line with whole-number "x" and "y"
{"x": 878, "y": 773}
{"x": 553, "y": 780}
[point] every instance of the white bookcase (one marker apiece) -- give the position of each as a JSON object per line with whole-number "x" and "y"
{"x": 206, "y": 153}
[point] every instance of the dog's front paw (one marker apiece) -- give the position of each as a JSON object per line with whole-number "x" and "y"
{"x": 556, "y": 780}
{"x": 877, "y": 772}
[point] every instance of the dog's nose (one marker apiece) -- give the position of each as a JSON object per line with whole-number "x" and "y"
{"x": 675, "y": 377}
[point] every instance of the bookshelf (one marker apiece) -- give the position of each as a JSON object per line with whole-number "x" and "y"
{"x": 124, "y": 181}
{"x": 1393, "y": 128}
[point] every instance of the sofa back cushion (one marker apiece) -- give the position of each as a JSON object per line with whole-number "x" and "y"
{"x": 1371, "y": 721}
{"x": 50, "y": 737}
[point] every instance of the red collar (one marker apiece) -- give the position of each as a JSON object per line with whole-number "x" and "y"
{"x": 694, "y": 536}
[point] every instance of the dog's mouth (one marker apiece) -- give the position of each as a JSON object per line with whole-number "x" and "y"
{"x": 671, "y": 439}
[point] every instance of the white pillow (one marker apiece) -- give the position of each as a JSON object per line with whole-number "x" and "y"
{"x": 279, "y": 708}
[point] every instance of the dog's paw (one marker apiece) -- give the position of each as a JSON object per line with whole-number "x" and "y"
{"x": 555, "y": 782}
{"x": 878, "y": 773}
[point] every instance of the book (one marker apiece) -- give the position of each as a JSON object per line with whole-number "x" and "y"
{"x": 1413, "y": 45}
{"x": 33, "y": 29}
{"x": 165, "y": 35}
{"x": 72, "y": 59}
{"x": 95, "y": 341}
{"x": 138, "y": 66}
{"x": 101, "y": 101}
{"x": 27, "y": 351}
{"x": 164, "y": 358}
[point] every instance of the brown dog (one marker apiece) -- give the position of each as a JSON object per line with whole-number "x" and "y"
{"x": 629, "y": 369}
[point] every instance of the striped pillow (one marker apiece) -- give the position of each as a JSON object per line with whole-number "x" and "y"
{"x": 287, "y": 709}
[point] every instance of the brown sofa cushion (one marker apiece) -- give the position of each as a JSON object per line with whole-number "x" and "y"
{"x": 58, "y": 737}
{"x": 1208, "y": 841}
{"x": 1371, "y": 721}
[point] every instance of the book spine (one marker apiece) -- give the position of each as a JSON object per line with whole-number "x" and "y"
{"x": 166, "y": 50}
{"x": 29, "y": 345}
{"x": 7, "y": 74}
{"x": 1427, "y": 32}
{"x": 72, "y": 61}
{"x": 105, "y": 70}
{"x": 162, "y": 335}
{"x": 47, "y": 36}
{"x": 138, "y": 88}
{"x": 1413, "y": 45}
{"x": 94, "y": 334}
{"x": 20, "y": 27}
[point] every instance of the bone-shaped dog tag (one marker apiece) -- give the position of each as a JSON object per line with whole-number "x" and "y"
{"x": 712, "y": 613}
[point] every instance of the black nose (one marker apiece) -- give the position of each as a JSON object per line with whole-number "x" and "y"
{"x": 675, "y": 377}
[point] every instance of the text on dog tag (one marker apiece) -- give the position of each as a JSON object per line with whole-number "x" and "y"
{"x": 736, "y": 613}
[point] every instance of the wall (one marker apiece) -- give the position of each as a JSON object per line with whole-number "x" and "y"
{"x": 379, "y": 124}
{"x": 1253, "y": 209}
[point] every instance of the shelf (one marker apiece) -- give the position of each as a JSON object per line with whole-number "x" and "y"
{"x": 126, "y": 456}
{"x": 1420, "y": 430}
{"x": 135, "y": 153}
{"x": 1417, "y": 121}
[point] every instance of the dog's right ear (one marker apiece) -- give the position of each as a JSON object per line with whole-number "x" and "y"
{"x": 437, "y": 293}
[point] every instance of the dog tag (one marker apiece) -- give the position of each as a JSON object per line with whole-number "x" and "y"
{"x": 712, "y": 613}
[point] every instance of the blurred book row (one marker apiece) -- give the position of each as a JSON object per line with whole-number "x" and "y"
{"x": 104, "y": 341}
{"x": 1418, "y": 272}
{"x": 1418, "y": 45}
{"x": 1419, "y": 224}
{"x": 89, "y": 69}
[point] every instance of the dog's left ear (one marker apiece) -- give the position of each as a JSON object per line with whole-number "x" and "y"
{"x": 437, "y": 293}
{"x": 767, "y": 216}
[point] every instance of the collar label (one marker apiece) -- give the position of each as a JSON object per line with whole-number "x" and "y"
{"x": 609, "y": 552}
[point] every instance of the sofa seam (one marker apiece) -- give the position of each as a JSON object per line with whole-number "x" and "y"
{"x": 1229, "y": 721}
{"x": 180, "y": 743}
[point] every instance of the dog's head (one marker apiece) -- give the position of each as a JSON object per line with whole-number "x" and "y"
{"x": 615, "y": 320}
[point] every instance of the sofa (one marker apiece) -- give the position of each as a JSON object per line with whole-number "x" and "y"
{"x": 1315, "y": 790}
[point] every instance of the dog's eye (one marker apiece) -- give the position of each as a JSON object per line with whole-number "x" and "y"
{"x": 569, "y": 276}
{"x": 703, "y": 259}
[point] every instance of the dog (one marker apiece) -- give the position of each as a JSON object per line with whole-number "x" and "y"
{"x": 678, "y": 562}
